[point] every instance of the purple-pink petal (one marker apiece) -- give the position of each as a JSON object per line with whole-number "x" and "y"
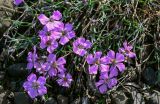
{"x": 68, "y": 27}
{"x": 61, "y": 61}
{"x": 41, "y": 80}
{"x": 56, "y": 15}
{"x": 98, "y": 54}
{"x": 111, "y": 54}
{"x": 50, "y": 26}
{"x": 119, "y": 57}
{"x": 30, "y": 65}
{"x": 93, "y": 69}
{"x": 32, "y": 77}
{"x": 64, "y": 40}
{"x": 18, "y": 2}
{"x": 32, "y": 93}
{"x": 132, "y": 55}
{"x": 100, "y": 82}
{"x": 42, "y": 90}
{"x": 27, "y": 85}
{"x": 52, "y": 72}
{"x": 51, "y": 58}
{"x": 78, "y": 51}
{"x": 120, "y": 66}
{"x": 71, "y": 34}
{"x": 104, "y": 68}
{"x": 113, "y": 72}
{"x": 105, "y": 60}
{"x": 112, "y": 82}
{"x": 103, "y": 88}
{"x": 43, "y": 19}
{"x": 55, "y": 35}
{"x": 90, "y": 59}
{"x": 52, "y": 47}
{"x": 87, "y": 44}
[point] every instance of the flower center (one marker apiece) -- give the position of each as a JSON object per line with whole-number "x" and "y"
{"x": 48, "y": 42}
{"x": 80, "y": 47}
{"x": 65, "y": 79}
{"x": 113, "y": 61}
{"x": 97, "y": 62}
{"x": 127, "y": 51}
{"x": 107, "y": 80}
{"x": 48, "y": 33}
{"x": 51, "y": 20}
{"x": 35, "y": 85}
{"x": 54, "y": 65}
{"x": 63, "y": 32}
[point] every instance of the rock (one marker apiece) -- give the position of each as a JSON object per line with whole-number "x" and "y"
{"x": 154, "y": 98}
{"x": 51, "y": 101}
{"x": 6, "y": 12}
{"x": 13, "y": 86}
{"x": 85, "y": 100}
{"x": 1, "y": 89}
{"x": 76, "y": 101}
{"x": 119, "y": 97}
{"x": 135, "y": 96}
{"x": 21, "y": 98}
{"x": 149, "y": 76}
{"x": 3, "y": 97}
{"x": 17, "y": 70}
{"x": 138, "y": 98}
{"x": 62, "y": 99}
{"x": 2, "y": 74}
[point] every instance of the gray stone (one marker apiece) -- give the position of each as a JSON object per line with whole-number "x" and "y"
{"x": 6, "y": 12}
{"x": 3, "y": 97}
{"x": 153, "y": 98}
{"x": 85, "y": 100}
{"x": 135, "y": 95}
{"x": 76, "y": 101}
{"x": 119, "y": 97}
{"x": 2, "y": 74}
{"x": 21, "y": 98}
{"x": 17, "y": 70}
{"x": 51, "y": 101}
{"x": 138, "y": 98}
{"x": 62, "y": 99}
{"x": 149, "y": 76}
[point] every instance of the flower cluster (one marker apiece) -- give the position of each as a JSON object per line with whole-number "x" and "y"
{"x": 55, "y": 33}
{"x": 108, "y": 66}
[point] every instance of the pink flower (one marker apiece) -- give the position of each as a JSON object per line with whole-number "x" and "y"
{"x": 52, "y": 22}
{"x": 35, "y": 87}
{"x": 126, "y": 50}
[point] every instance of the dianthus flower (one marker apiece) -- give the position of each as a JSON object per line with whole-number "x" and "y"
{"x": 106, "y": 82}
{"x": 52, "y": 22}
{"x": 18, "y": 2}
{"x": 45, "y": 32}
{"x": 65, "y": 33}
{"x": 126, "y": 50}
{"x": 64, "y": 79}
{"x": 96, "y": 62}
{"x": 116, "y": 60}
{"x": 42, "y": 67}
{"x": 32, "y": 59}
{"x": 56, "y": 66}
{"x": 47, "y": 41}
{"x": 35, "y": 87}
{"x": 81, "y": 45}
